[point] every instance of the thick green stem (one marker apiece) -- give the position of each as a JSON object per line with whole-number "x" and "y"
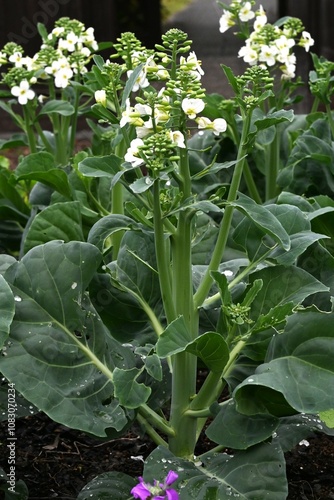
{"x": 163, "y": 262}
{"x": 219, "y": 249}
{"x": 29, "y": 130}
{"x": 272, "y": 167}
{"x": 330, "y": 118}
{"x": 184, "y": 364}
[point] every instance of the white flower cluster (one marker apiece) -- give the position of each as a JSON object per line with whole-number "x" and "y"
{"x": 64, "y": 53}
{"x": 267, "y": 44}
{"x": 148, "y": 121}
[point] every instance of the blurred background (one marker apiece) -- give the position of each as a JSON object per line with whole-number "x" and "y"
{"x": 148, "y": 19}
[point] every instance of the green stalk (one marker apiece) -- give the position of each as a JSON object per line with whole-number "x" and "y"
{"x": 272, "y": 167}
{"x": 117, "y": 203}
{"x": 163, "y": 262}
{"x": 219, "y": 249}
{"x": 150, "y": 431}
{"x": 184, "y": 364}
{"x": 29, "y": 130}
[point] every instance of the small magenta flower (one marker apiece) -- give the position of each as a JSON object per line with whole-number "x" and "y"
{"x": 157, "y": 491}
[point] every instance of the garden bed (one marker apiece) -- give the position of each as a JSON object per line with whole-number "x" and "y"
{"x": 56, "y": 462}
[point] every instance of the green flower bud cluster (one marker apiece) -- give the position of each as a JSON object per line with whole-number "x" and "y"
{"x": 237, "y": 314}
{"x": 159, "y": 150}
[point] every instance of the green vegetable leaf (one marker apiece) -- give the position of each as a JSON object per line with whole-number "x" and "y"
{"x": 7, "y": 309}
{"x": 61, "y": 356}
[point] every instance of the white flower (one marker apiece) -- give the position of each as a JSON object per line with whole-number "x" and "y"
{"x": 177, "y": 138}
{"x": 260, "y": 20}
{"x": 246, "y": 13}
{"x": 192, "y": 106}
{"x": 132, "y": 154}
{"x": 283, "y": 45}
{"x": 23, "y": 92}
{"x": 268, "y": 54}
{"x": 101, "y": 97}
{"x": 69, "y": 43}
{"x": 141, "y": 80}
{"x": 192, "y": 65}
{"x": 17, "y": 59}
{"x": 306, "y": 41}
{"x": 217, "y": 126}
{"x": 248, "y": 54}
{"x": 226, "y": 21}
{"x": 62, "y": 77}
{"x": 145, "y": 129}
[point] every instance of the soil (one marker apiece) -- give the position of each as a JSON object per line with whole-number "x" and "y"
{"x": 56, "y": 462}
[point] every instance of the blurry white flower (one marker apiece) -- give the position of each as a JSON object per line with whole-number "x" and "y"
{"x": 141, "y": 80}
{"x": 101, "y": 97}
{"x": 260, "y": 20}
{"x": 192, "y": 106}
{"x": 226, "y": 21}
{"x": 132, "y": 154}
{"x": 248, "y": 54}
{"x": 217, "y": 126}
{"x": 246, "y": 13}
{"x": 23, "y": 92}
{"x": 306, "y": 41}
{"x": 177, "y": 138}
{"x": 268, "y": 54}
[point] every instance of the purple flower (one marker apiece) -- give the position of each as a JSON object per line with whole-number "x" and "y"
{"x": 157, "y": 491}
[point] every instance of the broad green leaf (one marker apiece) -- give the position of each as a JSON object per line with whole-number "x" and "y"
{"x": 61, "y": 356}
{"x": 175, "y": 338}
{"x": 212, "y": 349}
{"x": 299, "y": 368}
{"x": 141, "y": 185}
{"x": 100, "y": 166}
{"x": 299, "y": 243}
{"x": 15, "y": 141}
{"x": 63, "y": 108}
{"x": 256, "y": 473}
{"x": 273, "y": 118}
{"x": 153, "y": 366}
{"x": 264, "y": 219}
{"x": 60, "y": 221}
{"x": 136, "y": 266}
{"x": 110, "y": 485}
{"x": 8, "y": 192}
{"x": 281, "y": 286}
{"x": 107, "y": 226}
{"x": 7, "y": 309}
{"x": 234, "y": 430}
{"x": 120, "y": 311}
{"x": 41, "y": 167}
{"x": 128, "y": 391}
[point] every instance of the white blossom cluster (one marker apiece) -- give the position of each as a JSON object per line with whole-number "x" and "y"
{"x": 148, "y": 120}
{"x": 267, "y": 44}
{"x": 64, "y": 53}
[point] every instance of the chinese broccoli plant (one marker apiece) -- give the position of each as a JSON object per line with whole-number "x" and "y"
{"x": 187, "y": 261}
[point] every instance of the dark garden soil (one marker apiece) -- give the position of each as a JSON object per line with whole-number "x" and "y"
{"x": 56, "y": 462}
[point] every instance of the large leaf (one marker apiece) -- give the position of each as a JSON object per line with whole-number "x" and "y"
{"x": 233, "y": 430}
{"x": 257, "y": 473}
{"x": 264, "y": 219}
{"x": 57, "y": 107}
{"x": 100, "y": 166}
{"x": 281, "y": 286}
{"x": 7, "y": 309}
{"x": 299, "y": 367}
{"x": 61, "y": 356}
{"x": 107, "y": 226}
{"x": 61, "y": 221}
{"x": 110, "y": 485}
{"x": 42, "y": 167}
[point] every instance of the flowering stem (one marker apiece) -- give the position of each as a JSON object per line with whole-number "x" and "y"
{"x": 29, "y": 130}
{"x": 219, "y": 249}
{"x": 161, "y": 253}
{"x": 272, "y": 166}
